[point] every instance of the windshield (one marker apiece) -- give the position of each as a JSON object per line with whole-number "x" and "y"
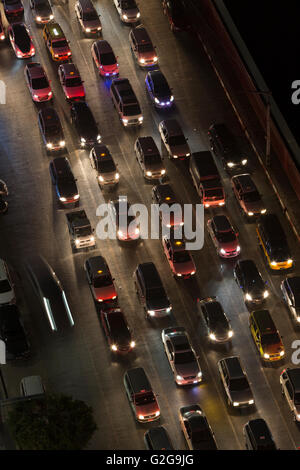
{"x": 239, "y": 384}
{"x": 90, "y": 16}
{"x": 126, "y": 4}
{"x": 144, "y": 398}
{"x": 185, "y": 358}
{"x": 156, "y": 292}
{"x": 53, "y": 130}
{"x": 152, "y": 159}
{"x": 108, "y": 59}
{"x": 132, "y": 110}
{"x": 76, "y": 81}
{"x": 177, "y": 140}
{"x": 145, "y": 47}
{"x": 226, "y": 237}
{"x": 4, "y": 286}
{"x": 60, "y": 43}
{"x": 181, "y": 257}
{"x": 251, "y": 197}
{"x": 106, "y": 166}
{"x": 83, "y": 231}
{"x": 269, "y": 339}
{"x": 102, "y": 281}
{"x": 214, "y": 193}
{"x": 39, "y": 83}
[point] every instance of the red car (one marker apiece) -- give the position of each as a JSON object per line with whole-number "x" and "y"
{"x": 105, "y": 59}
{"x": 71, "y": 82}
{"x": 117, "y": 331}
{"x": 100, "y": 280}
{"x": 13, "y": 8}
{"x": 179, "y": 258}
{"x": 37, "y": 82}
{"x": 224, "y": 237}
{"x": 20, "y": 40}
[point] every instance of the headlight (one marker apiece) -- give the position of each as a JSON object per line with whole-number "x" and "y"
{"x": 199, "y": 374}
{"x": 181, "y": 224}
{"x": 238, "y": 248}
{"x": 62, "y": 199}
{"x": 125, "y": 17}
{"x": 263, "y": 211}
{"x": 251, "y": 402}
{"x": 49, "y": 145}
{"x": 138, "y": 15}
{"x": 169, "y": 309}
{"x": 230, "y": 334}
{"x": 266, "y": 294}
{"x": 175, "y": 156}
{"x": 141, "y": 119}
{"x": 125, "y": 120}
{"x": 76, "y": 196}
{"x": 221, "y": 203}
{"x": 117, "y": 176}
{"x": 187, "y": 154}
{"x": 172, "y": 98}
{"x": 137, "y": 231}
{"x": 132, "y": 344}
{"x": 77, "y": 242}
{"x": 151, "y": 313}
{"x": 114, "y": 297}
{"x": 192, "y": 273}
{"x": 212, "y": 336}
{"x": 120, "y": 233}
{"x": 51, "y": 17}
{"x": 298, "y": 319}
{"x": 100, "y": 300}
{"x": 230, "y": 164}
{"x": 250, "y": 213}
{"x": 99, "y": 29}
{"x": 163, "y": 172}
{"x": 178, "y": 377}
{"x": 88, "y": 30}
{"x": 273, "y": 263}
{"x": 267, "y": 356}
{"x": 157, "y": 413}
{"x": 36, "y": 96}
{"x": 62, "y": 143}
{"x": 248, "y": 297}
{"x": 149, "y": 173}
{"x": 244, "y": 162}
{"x": 50, "y": 93}
{"x": 281, "y": 353}
{"x": 114, "y": 347}
{"x": 222, "y": 251}
{"x": 298, "y": 416}
{"x": 99, "y": 138}
{"x": 38, "y": 18}
{"x": 82, "y": 139}
{"x": 142, "y": 61}
{"x": 69, "y": 53}
{"x": 92, "y": 238}
{"x": 156, "y": 100}
{"x": 155, "y": 59}
{"x": 101, "y": 178}
{"x": 289, "y": 261}
{"x": 179, "y": 275}
{"x": 235, "y": 403}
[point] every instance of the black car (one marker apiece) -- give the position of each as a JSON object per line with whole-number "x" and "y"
{"x": 249, "y": 279}
{"x": 85, "y": 124}
{"x": 117, "y": 330}
{"x": 13, "y": 8}
{"x": 258, "y": 436}
{"x": 225, "y": 146}
{"x": 64, "y": 181}
{"x": 217, "y": 325}
{"x": 157, "y": 438}
{"x": 197, "y": 432}
{"x": 12, "y": 333}
{"x": 20, "y": 40}
{"x": 51, "y": 129}
{"x": 158, "y": 89}
{"x": 41, "y": 11}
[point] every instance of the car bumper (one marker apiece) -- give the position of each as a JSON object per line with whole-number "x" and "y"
{"x": 194, "y": 381}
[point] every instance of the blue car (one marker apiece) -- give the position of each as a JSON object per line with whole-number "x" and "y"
{"x": 158, "y": 89}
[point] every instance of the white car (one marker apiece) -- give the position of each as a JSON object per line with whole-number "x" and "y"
{"x": 290, "y": 389}
{"x": 7, "y": 293}
{"x": 290, "y": 288}
{"x": 128, "y": 10}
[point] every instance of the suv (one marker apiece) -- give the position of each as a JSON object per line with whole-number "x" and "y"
{"x": 247, "y": 195}
{"x": 37, "y": 82}
{"x": 51, "y": 129}
{"x": 224, "y": 237}
{"x": 64, "y": 181}
{"x": 100, "y": 279}
{"x": 290, "y": 288}
{"x": 224, "y": 145}
{"x": 272, "y": 240}
{"x": 141, "y": 396}
{"x": 174, "y": 139}
{"x": 266, "y": 336}
{"x": 85, "y": 124}
{"x": 125, "y": 102}
{"x": 105, "y": 59}
{"x": 164, "y": 194}
{"x": 290, "y": 389}
{"x": 150, "y": 291}
{"x": 235, "y": 382}
{"x": 249, "y": 279}
{"x": 258, "y": 436}
{"x": 88, "y": 17}
{"x": 42, "y": 11}
{"x": 102, "y": 161}
{"x": 128, "y": 10}
{"x": 179, "y": 258}
{"x": 149, "y": 158}
{"x": 71, "y": 82}
{"x": 218, "y": 328}
{"x": 7, "y": 293}
{"x": 157, "y": 438}
{"x": 56, "y": 42}
{"x": 142, "y": 47}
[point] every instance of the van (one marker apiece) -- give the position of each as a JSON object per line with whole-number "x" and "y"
{"x": 266, "y": 336}
{"x": 88, "y": 17}
{"x": 258, "y": 436}
{"x": 125, "y": 102}
{"x": 32, "y": 385}
{"x": 158, "y": 439}
{"x": 272, "y": 240}
{"x": 141, "y": 396}
{"x": 150, "y": 291}
{"x": 56, "y": 42}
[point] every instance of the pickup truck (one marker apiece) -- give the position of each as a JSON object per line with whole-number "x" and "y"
{"x": 206, "y": 179}
{"x": 81, "y": 232}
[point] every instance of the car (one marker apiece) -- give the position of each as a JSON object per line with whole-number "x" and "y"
{"x": 13, "y": 334}
{"x": 225, "y": 146}
{"x": 164, "y": 194}
{"x": 56, "y": 42}
{"x": 88, "y": 17}
{"x": 20, "y": 40}
{"x": 142, "y": 47}
{"x": 249, "y": 279}
{"x": 41, "y": 11}
{"x": 218, "y": 328}
{"x": 224, "y": 237}
{"x": 64, "y": 182}
{"x": 247, "y": 196}
{"x": 37, "y": 82}
{"x": 181, "y": 356}
{"x": 13, "y": 8}
{"x": 126, "y": 229}
{"x": 266, "y": 337}
{"x": 235, "y": 382}
{"x": 157, "y": 438}
{"x": 290, "y": 288}
{"x": 105, "y": 59}
{"x": 106, "y": 169}
{"x": 100, "y": 280}
{"x": 176, "y": 14}
{"x": 158, "y": 89}
{"x": 178, "y": 257}
{"x": 196, "y": 429}
{"x": 258, "y": 436}
{"x": 141, "y": 397}
{"x": 128, "y": 11}
{"x": 126, "y": 103}
{"x": 2, "y": 30}
{"x": 51, "y": 129}
{"x": 85, "y": 124}
{"x": 290, "y": 390}
{"x": 71, "y": 82}
{"x": 174, "y": 139}
{"x": 117, "y": 331}
{"x": 149, "y": 158}
{"x": 7, "y": 293}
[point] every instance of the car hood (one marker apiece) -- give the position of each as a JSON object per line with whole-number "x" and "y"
{"x": 255, "y": 207}
{"x": 92, "y": 24}
{"x": 131, "y": 13}
{"x": 220, "y": 331}
{"x": 7, "y": 297}
{"x": 147, "y": 409}
{"x": 158, "y": 303}
{"x": 186, "y": 370}
{"x": 184, "y": 268}
{"x": 180, "y": 150}
{"x": 273, "y": 348}
{"x": 242, "y": 396}
{"x": 61, "y": 50}
{"x": 147, "y": 55}
{"x": 230, "y": 246}
{"x": 88, "y": 133}
{"x": 43, "y": 10}
{"x": 77, "y": 91}
{"x": 154, "y": 167}
{"x": 41, "y": 91}
{"x": 104, "y": 293}
{"x": 67, "y": 189}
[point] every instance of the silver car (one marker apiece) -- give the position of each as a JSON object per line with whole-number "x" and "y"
{"x": 235, "y": 382}
{"x": 128, "y": 10}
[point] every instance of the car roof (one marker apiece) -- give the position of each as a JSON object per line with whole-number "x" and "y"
{"x": 173, "y": 126}
{"x": 148, "y": 145}
{"x": 55, "y": 31}
{"x": 273, "y": 226}
{"x": 158, "y": 76}
{"x": 159, "y": 438}
{"x": 70, "y": 70}
{"x": 103, "y": 46}
{"x": 264, "y": 321}
{"x": 102, "y": 152}
{"x": 3, "y": 274}
{"x": 260, "y": 430}
{"x": 151, "y": 274}
{"x": 234, "y": 367}
{"x": 177, "y": 245}
{"x": 141, "y": 35}
{"x": 49, "y": 115}
{"x": 98, "y": 263}
{"x": 214, "y": 310}
{"x": 246, "y": 182}
{"x": 222, "y": 223}
{"x": 139, "y": 380}
{"x": 249, "y": 267}
{"x": 37, "y": 71}
{"x": 61, "y": 164}
{"x": 294, "y": 376}
{"x": 166, "y": 192}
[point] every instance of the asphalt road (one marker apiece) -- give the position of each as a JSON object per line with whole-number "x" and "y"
{"x": 79, "y": 362}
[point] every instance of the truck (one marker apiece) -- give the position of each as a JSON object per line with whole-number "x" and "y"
{"x": 206, "y": 179}
{"x": 81, "y": 232}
